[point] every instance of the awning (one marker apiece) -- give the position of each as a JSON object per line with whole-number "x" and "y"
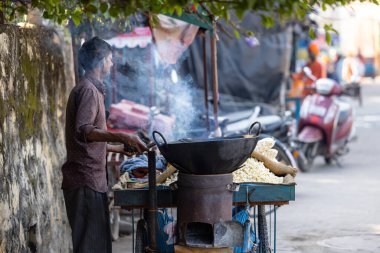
{"x": 195, "y": 18}
{"x": 172, "y": 37}
{"x": 140, "y": 37}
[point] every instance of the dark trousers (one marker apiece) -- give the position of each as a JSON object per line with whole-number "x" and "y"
{"x": 88, "y": 214}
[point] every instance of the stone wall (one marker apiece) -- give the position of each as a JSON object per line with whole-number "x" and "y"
{"x": 35, "y": 78}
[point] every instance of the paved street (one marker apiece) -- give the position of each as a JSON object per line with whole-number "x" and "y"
{"x": 337, "y": 209}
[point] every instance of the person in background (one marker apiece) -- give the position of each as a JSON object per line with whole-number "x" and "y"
{"x": 300, "y": 81}
{"x": 338, "y": 67}
{"x": 84, "y": 172}
{"x": 317, "y": 69}
{"x": 352, "y": 69}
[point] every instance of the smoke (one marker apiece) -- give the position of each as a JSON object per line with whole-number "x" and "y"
{"x": 178, "y": 99}
{"x": 140, "y": 76}
{"x": 177, "y": 96}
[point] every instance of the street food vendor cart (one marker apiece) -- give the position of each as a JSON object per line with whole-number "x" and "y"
{"x": 204, "y": 196}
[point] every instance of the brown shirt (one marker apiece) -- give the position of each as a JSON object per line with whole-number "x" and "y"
{"x": 86, "y": 161}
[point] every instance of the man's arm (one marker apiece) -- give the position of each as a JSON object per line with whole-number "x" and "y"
{"x": 118, "y": 149}
{"x": 88, "y": 104}
{"x": 114, "y": 148}
{"x": 98, "y": 135}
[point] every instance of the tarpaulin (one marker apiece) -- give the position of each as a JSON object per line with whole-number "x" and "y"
{"x": 247, "y": 71}
{"x": 172, "y": 37}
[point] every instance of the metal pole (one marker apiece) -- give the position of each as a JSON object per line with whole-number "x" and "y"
{"x": 152, "y": 211}
{"x": 270, "y": 225}
{"x": 254, "y": 222}
{"x": 113, "y": 84}
{"x": 275, "y": 230}
{"x": 214, "y": 73}
{"x": 152, "y": 67}
{"x": 151, "y": 80}
{"x": 133, "y": 232}
{"x": 205, "y": 81}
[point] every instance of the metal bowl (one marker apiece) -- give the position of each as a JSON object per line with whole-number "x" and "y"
{"x": 210, "y": 156}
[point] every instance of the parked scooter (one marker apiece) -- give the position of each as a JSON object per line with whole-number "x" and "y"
{"x": 325, "y": 125}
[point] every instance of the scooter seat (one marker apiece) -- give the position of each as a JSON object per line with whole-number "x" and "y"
{"x": 270, "y": 123}
{"x": 235, "y": 116}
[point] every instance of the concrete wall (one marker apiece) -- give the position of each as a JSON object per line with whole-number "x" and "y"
{"x": 35, "y": 78}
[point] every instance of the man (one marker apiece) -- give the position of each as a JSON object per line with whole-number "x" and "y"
{"x": 317, "y": 69}
{"x": 301, "y": 81}
{"x": 84, "y": 173}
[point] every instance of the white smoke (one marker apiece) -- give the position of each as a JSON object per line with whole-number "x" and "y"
{"x": 143, "y": 78}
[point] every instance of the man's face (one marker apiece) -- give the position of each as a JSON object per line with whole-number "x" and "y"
{"x": 107, "y": 64}
{"x": 311, "y": 55}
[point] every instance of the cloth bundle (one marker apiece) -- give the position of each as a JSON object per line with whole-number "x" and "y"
{"x": 137, "y": 167}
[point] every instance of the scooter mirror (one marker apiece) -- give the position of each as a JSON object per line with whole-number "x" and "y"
{"x": 288, "y": 114}
{"x": 307, "y": 71}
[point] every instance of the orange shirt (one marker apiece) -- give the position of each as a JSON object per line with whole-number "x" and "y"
{"x": 301, "y": 81}
{"x": 317, "y": 70}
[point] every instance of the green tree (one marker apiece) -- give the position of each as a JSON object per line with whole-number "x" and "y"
{"x": 78, "y": 10}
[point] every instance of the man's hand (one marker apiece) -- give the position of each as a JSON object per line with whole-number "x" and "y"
{"x": 132, "y": 143}
{"x": 119, "y": 149}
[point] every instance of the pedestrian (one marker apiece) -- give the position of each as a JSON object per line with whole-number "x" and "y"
{"x": 352, "y": 69}
{"x": 84, "y": 172}
{"x": 338, "y": 67}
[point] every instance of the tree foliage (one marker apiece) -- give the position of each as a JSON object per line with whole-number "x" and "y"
{"x": 80, "y": 10}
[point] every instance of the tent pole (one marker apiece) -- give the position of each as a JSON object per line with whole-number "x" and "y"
{"x": 152, "y": 70}
{"x": 113, "y": 84}
{"x": 214, "y": 74}
{"x": 205, "y": 81}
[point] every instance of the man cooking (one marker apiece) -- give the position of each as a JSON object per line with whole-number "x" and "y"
{"x": 84, "y": 173}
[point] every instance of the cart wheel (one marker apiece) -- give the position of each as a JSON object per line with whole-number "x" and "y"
{"x": 141, "y": 236}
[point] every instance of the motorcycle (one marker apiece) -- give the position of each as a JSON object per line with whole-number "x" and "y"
{"x": 325, "y": 125}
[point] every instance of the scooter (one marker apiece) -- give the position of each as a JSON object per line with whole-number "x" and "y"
{"x": 325, "y": 124}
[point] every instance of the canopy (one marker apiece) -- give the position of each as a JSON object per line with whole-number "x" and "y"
{"x": 140, "y": 36}
{"x": 195, "y": 18}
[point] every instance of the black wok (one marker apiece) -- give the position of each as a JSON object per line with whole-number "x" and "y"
{"x": 210, "y": 156}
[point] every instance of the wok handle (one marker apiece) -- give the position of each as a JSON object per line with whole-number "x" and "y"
{"x": 253, "y": 126}
{"x": 162, "y": 137}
